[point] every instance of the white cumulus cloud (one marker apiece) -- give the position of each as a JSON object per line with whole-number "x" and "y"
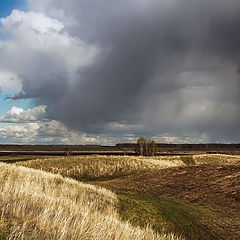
{"x": 31, "y": 126}
{"x": 17, "y": 115}
{"x": 15, "y": 134}
{"x": 38, "y": 48}
{"x": 36, "y": 21}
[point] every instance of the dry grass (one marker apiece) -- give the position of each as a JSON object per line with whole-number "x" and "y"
{"x": 110, "y": 167}
{"x": 39, "y": 205}
{"x": 217, "y": 159}
{"x": 94, "y": 167}
{"x": 101, "y": 167}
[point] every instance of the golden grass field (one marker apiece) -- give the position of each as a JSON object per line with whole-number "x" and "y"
{"x": 39, "y": 205}
{"x": 95, "y": 167}
{"x": 98, "y": 167}
{"x": 43, "y": 198}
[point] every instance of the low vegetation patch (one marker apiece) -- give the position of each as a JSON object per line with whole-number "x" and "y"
{"x": 188, "y": 159}
{"x": 167, "y": 215}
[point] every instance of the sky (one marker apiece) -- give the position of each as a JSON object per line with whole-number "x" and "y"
{"x": 8, "y": 5}
{"x": 103, "y": 72}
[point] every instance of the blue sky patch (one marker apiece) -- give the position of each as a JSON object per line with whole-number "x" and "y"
{"x": 6, "y": 6}
{"x": 7, "y": 104}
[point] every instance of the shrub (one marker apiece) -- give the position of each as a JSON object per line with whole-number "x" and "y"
{"x": 188, "y": 160}
{"x": 146, "y": 147}
{"x": 68, "y": 153}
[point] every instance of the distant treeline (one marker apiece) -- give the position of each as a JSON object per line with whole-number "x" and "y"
{"x": 187, "y": 147}
{"x": 122, "y": 147}
{"x": 57, "y": 148}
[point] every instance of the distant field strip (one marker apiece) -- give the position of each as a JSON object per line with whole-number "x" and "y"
{"x": 39, "y": 205}
{"x": 217, "y": 159}
{"x": 100, "y": 167}
{"x": 95, "y": 167}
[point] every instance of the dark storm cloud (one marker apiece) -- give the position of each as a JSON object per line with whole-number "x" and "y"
{"x": 170, "y": 65}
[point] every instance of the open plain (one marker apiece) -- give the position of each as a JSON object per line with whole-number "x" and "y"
{"x": 190, "y": 196}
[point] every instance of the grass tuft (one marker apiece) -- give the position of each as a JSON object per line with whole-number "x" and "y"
{"x": 188, "y": 159}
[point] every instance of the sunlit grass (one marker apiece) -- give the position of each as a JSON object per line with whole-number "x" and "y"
{"x": 96, "y": 167}
{"x": 100, "y": 167}
{"x": 39, "y": 205}
{"x": 160, "y": 213}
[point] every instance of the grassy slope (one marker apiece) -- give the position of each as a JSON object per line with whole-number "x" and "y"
{"x": 168, "y": 215}
{"x": 40, "y": 205}
{"x": 190, "y": 220}
{"x": 100, "y": 167}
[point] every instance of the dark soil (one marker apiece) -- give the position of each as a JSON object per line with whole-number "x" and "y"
{"x": 216, "y": 188}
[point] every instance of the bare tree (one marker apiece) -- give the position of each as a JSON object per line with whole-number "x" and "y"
{"x": 146, "y": 147}
{"x": 141, "y": 146}
{"x": 152, "y": 148}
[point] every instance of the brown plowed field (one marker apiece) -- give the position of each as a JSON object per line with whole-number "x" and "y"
{"x": 214, "y": 187}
